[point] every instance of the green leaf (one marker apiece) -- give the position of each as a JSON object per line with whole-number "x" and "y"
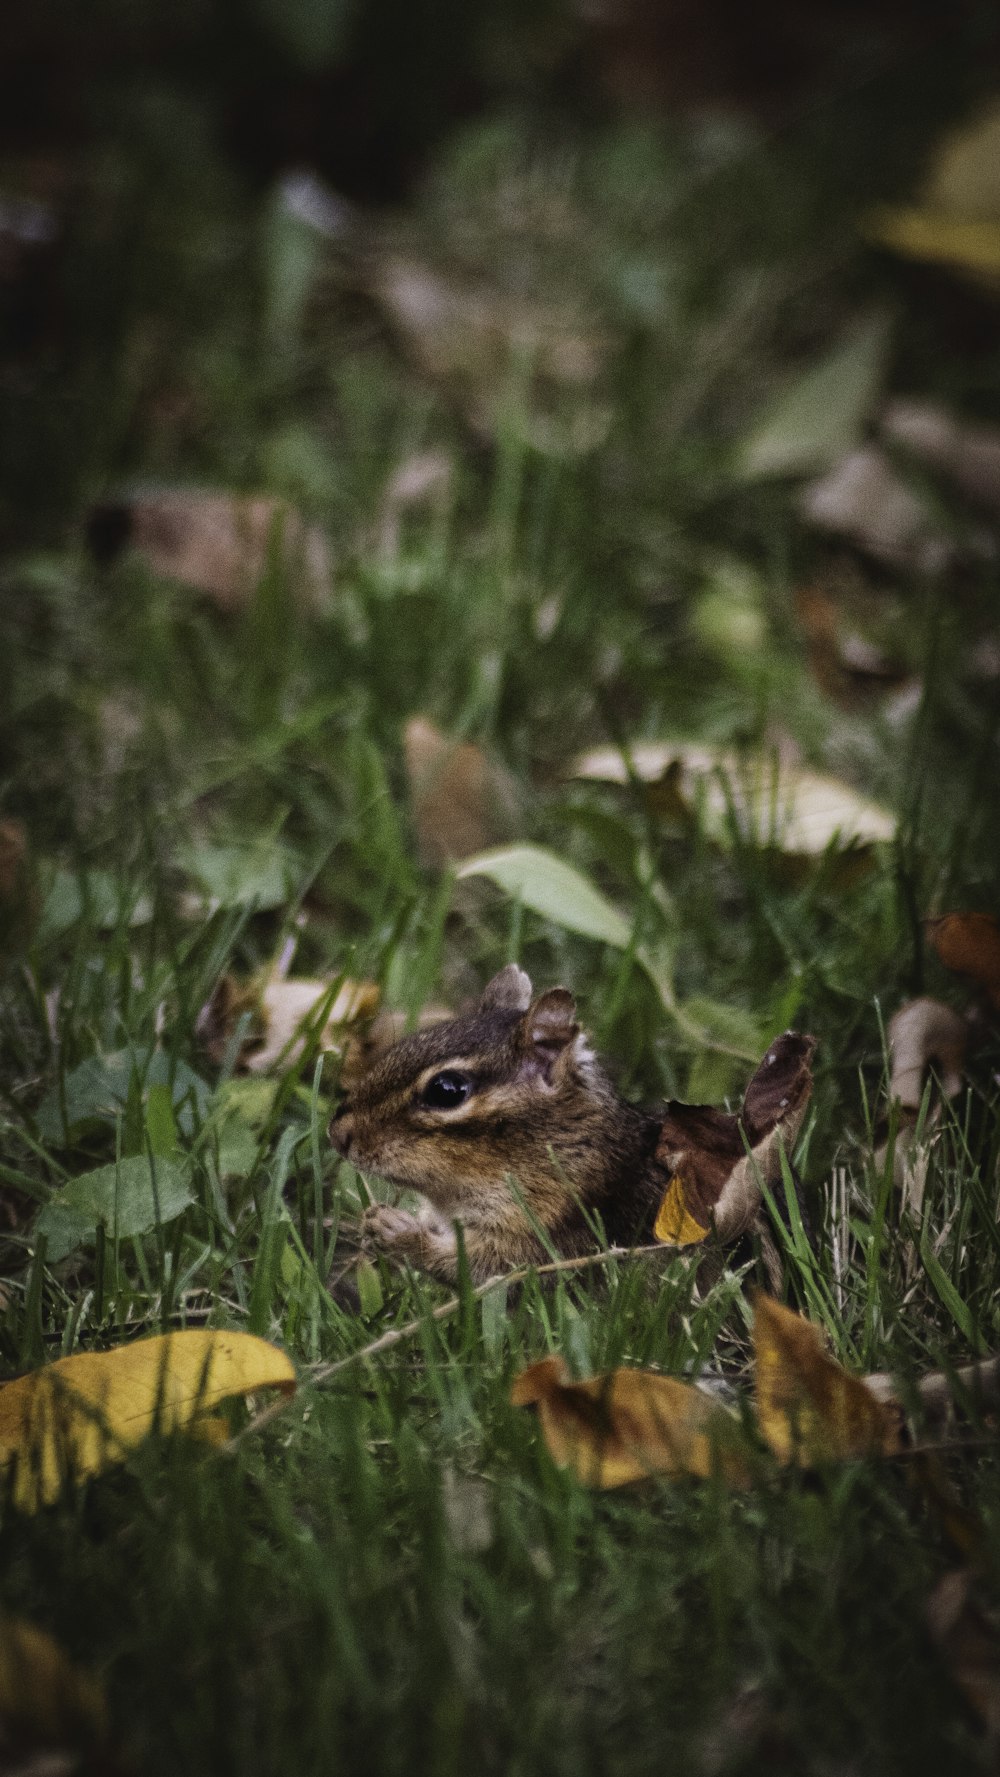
{"x": 97, "y": 1091}
{"x": 161, "y": 1125}
{"x": 70, "y": 896}
{"x": 543, "y": 882}
{"x": 730, "y": 1026}
{"x": 261, "y": 876}
{"x": 811, "y": 424}
{"x": 120, "y": 1198}
{"x": 948, "y": 1293}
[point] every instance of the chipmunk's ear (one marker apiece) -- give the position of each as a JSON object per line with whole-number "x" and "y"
{"x": 510, "y": 991}
{"x": 549, "y": 1028}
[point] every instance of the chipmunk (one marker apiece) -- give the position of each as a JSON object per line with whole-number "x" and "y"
{"x": 505, "y": 1121}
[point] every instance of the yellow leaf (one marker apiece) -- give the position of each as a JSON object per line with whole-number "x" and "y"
{"x": 810, "y": 1409}
{"x": 84, "y": 1412}
{"x": 927, "y": 234}
{"x": 956, "y": 218}
{"x": 675, "y": 1225}
{"x": 630, "y": 1424}
{"x": 44, "y": 1698}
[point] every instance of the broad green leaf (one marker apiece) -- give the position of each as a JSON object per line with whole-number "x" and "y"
{"x": 97, "y": 1091}
{"x": 252, "y": 1100}
{"x": 262, "y": 876}
{"x": 812, "y": 423}
{"x": 84, "y": 1412}
{"x": 120, "y": 1198}
{"x": 728, "y": 1025}
{"x": 238, "y": 1148}
{"x": 161, "y": 1125}
{"x": 69, "y": 897}
{"x": 557, "y": 891}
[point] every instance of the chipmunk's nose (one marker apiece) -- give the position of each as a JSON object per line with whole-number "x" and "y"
{"x": 341, "y": 1132}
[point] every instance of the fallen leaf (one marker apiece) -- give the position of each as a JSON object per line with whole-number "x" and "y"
{"x": 675, "y": 1225}
{"x": 13, "y": 852}
{"x": 19, "y": 895}
{"x": 820, "y": 416}
{"x": 967, "y": 453}
{"x": 844, "y": 662}
{"x": 46, "y": 1701}
{"x": 956, "y": 220}
{"x": 421, "y": 483}
{"x": 282, "y": 1018}
{"x": 969, "y": 1643}
{"x": 925, "y": 1034}
{"x": 288, "y": 1006}
{"x": 715, "y": 1183}
{"x": 972, "y": 247}
{"x": 506, "y": 359}
{"x": 776, "y": 804}
{"x": 809, "y": 1409}
{"x": 552, "y": 888}
{"x": 220, "y": 544}
{"x": 969, "y": 944}
{"x": 629, "y": 1424}
{"x": 82, "y": 1413}
{"x": 865, "y": 498}
{"x": 462, "y": 801}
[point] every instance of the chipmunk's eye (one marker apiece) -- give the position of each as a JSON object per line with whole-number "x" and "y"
{"x": 447, "y": 1090}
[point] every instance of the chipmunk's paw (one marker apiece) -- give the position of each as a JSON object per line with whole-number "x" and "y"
{"x": 401, "y": 1235}
{"x": 393, "y": 1231}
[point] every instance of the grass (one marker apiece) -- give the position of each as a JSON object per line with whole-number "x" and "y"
{"x": 393, "y": 1573}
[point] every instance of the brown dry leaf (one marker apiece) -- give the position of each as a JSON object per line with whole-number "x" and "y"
{"x": 462, "y": 802}
{"x": 715, "y": 1183}
{"x": 969, "y": 944}
{"x": 18, "y": 888}
{"x": 810, "y": 1409}
{"x": 422, "y": 482}
{"x": 46, "y": 1701}
{"x": 480, "y": 340}
{"x": 217, "y": 543}
{"x": 776, "y": 803}
{"x": 925, "y": 1033}
{"x": 969, "y": 1643}
{"x": 282, "y": 1018}
{"x": 866, "y": 499}
{"x": 629, "y": 1424}
{"x": 82, "y": 1413}
{"x": 967, "y": 453}
{"x": 13, "y": 853}
{"x": 844, "y": 663}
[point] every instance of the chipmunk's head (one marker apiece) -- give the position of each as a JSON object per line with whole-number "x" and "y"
{"x": 507, "y": 1089}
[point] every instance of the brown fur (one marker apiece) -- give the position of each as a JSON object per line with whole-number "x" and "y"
{"x": 542, "y": 1120}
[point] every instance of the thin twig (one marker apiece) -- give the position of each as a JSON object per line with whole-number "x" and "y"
{"x": 937, "y": 1390}
{"x": 321, "y": 1373}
